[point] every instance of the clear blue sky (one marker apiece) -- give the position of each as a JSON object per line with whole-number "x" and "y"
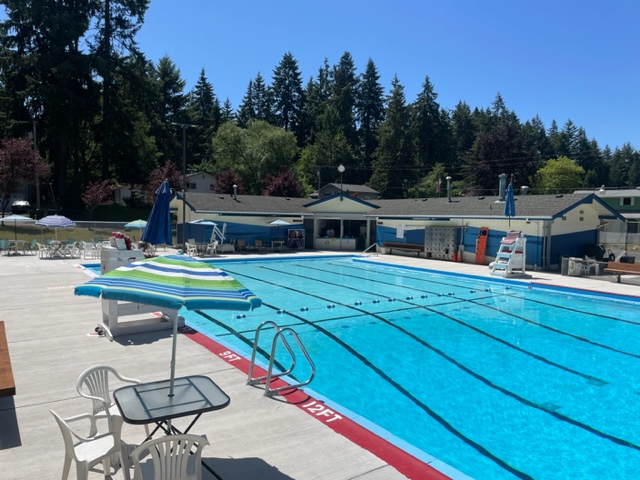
{"x": 560, "y": 59}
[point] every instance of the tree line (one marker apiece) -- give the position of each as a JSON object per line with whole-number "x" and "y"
{"x": 73, "y": 79}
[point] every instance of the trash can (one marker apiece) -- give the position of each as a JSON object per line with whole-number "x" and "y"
{"x": 564, "y": 265}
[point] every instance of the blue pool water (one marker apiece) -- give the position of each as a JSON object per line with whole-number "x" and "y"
{"x": 498, "y": 379}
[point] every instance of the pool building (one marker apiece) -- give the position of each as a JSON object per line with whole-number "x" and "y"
{"x": 445, "y": 228}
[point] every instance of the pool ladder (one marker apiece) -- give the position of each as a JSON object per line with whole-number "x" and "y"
{"x": 368, "y": 253}
{"x": 278, "y": 338}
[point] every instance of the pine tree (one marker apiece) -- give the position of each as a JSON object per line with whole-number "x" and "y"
{"x": 288, "y": 97}
{"x": 369, "y": 114}
{"x": 392, "y": 164}
{"x": 247, "y": 109}
{"x": 429, "y": 129}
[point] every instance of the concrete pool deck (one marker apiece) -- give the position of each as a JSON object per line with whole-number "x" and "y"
{"x": 51, "y": 341}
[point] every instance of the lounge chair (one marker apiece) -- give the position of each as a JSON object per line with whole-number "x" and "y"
{"x": 241, "y": 244}
{"x": 4, "y": 245}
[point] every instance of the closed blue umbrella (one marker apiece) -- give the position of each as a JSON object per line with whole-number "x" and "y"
{"x": 158, "y": 229}
{"x": 509, "y": 203}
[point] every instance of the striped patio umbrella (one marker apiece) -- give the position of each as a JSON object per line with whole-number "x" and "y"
{"x": 56, "y": 221}
{"x": 172, "y": 281}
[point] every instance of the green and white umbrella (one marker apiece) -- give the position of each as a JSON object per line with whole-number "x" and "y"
{"x": 172, "y": 281}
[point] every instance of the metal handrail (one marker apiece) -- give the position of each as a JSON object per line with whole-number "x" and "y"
{"x": 270, "y": 376}
{"x": 369, "y": 248}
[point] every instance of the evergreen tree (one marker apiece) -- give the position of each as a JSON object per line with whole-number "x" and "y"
{"x": 392, "y": 164}
{"x": 342, "y": 102}
{"x": 117, "y": 23}
{"x": 369, "y": 114}
{"x": 263, "y": 100}
{"x": 429, "y": 129}
{"x": 316, "y": 98}
{"x": 247, "y": 109}
{"x": 463, "y": 131}
{"x": 204, "y": 113}
{"x": 288, "y": 95}
{"x": 171, "y": 109}
{"x": 226, "y": 113}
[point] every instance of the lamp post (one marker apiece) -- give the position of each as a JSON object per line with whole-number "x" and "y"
{"x": 341, "y": 169}
{"x": 184, "y": 178}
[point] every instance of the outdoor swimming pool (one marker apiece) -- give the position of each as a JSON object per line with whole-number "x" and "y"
{"x": 498, "y": 379}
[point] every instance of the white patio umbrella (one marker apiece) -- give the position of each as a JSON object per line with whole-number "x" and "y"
{"x": 277, "y": 223}
{"x": 15, "y": 219}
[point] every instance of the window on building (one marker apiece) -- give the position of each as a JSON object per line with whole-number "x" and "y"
{"x": 626, "y": 201}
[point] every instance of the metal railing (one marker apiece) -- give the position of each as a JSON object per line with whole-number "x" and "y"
{"x": 278, "y": 338}
{"x": 366, "y": 253}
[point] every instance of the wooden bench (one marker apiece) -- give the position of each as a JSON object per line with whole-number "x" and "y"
{"x": 7, "y": 383}
{"x": 403, "y": 247}
{"x": 619, "y": 269}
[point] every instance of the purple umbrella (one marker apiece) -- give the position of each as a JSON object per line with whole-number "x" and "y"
{"x": 56, "y": 221}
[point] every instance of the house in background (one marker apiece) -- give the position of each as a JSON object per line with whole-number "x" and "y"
{"x": 625, "y": 201}
{"x": 122, "y": 192}
{"x": 200, "y": 182}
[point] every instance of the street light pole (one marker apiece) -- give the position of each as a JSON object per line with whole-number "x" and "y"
{"x": 341, "y": 169}
{"x": 184, "y": 179}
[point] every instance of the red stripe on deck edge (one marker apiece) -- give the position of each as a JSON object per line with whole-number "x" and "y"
{"x": 405, "y": 463}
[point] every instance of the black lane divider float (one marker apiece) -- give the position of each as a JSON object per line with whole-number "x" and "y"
{"x": 441, "y": 420}
{"x": 486, "y": 381}
{"x": 524, "y": 319}
{"x": 540, "y": 302}
{"x": 458, "y": 300}
{"x": 560, "y": 332}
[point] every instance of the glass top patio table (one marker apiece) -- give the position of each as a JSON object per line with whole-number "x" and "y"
{"x": 150, "y": 402}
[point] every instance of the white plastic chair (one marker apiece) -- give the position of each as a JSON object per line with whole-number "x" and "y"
{"x": 89, "y": 250}
{"x": 88, "y": 452}
{"x": 170, "y": 458}
{"x": 212, "y": 248}
{"x": 93, "y": 384}
{"x": 192, "y": 250}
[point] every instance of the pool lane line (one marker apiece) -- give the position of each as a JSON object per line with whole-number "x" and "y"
{"x": 406, "y": 463}
{"x": 505, "y": 294}
{"x": 406, "y": 393}
{"x": 520, "y": 286}
{"x": 558, "y": 331}
{"x": 486, "y": 381}
{"x": 441, "y": 420}
{"x": 482, "y": 332}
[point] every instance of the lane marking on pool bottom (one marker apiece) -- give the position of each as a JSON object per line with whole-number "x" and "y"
{"x": 402, "y": 461}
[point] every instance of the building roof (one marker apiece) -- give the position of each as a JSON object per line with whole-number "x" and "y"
{"x": 528, "y": 206}
{"x": 352, "y": 188}
{"x": 616, "y": 192}
{"x": 246, "y": 204}
{"x": 535, "y": 207}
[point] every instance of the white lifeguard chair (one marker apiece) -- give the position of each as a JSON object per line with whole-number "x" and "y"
{"x": 511, "y": 257}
